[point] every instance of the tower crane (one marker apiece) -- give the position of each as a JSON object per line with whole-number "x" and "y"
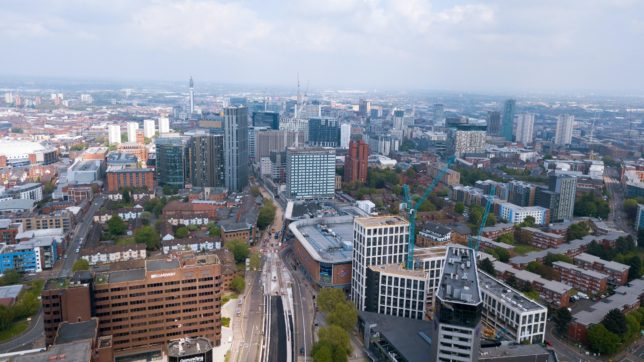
{"x": 475, "y": 241}
{"x": 412, "y": 209}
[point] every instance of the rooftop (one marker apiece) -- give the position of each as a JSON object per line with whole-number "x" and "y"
{"x": 436, "y": 228}
{"x": 397, "y": 269}
{"x": 188, "y": 346}
{"x": 326, "y": 239}
{"x": 376, "y": 221}
{"x": 590, "y": 273}
{"x": 517, "y": 352}
{"x": 121, "y": 157}
{"x": 459, "y": 283}
{"x": 10, "y": 291}
{"x": 162, "y": 264}
{"x": 612, "y": 265}
{"x": 625, "y": 296}
{"x": 72, "y": 352}
{"x": 70, "y": 332}
{"x": 512, "y": 298}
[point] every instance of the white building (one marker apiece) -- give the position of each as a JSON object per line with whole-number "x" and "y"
{"x": 511, "y": 314}
{"x": 148, "y": 128}
{"x": 132, "y": 127}
{"x": 395, "y": 291}
{"x": 164, "y": 125}
{"x": 516, "y": 214}
{"x": 310, "y": 173}
{"x": 377, "y": 241}
{"x": 113, "y": 253}
{"x": 431, "y": 261}
{"x": 366, "y": 205}
{"x": 345, "y": 135}
{"x": 114, "y": 134}
{"x": 525, "y": 128}
{"x": 265, "y": 166}
{"x": 563, "y": 132}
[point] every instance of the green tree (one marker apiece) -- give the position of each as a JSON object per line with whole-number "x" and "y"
{"x": 487, "y": 266}
{"x": 615, "y": 322}
{"x": 551, "y": 258}
{"x": 459, "y": 208}
{"x": 528, "y": 221}
{"x": 323, "y": 352}
{"x": 266, "y": 215}
{"x": 562, "y": 318}
{"x": 328, "y": 298}
{"x": 630, "y": 208}
{"x": 149, "y": 236}
{"x": 476, "y": 215}
{"x": 181, "y": 232}
{"x": 116, "y": 225}
{"x": 344, "y": 315}
{"x": 80, "y": 264}
{"x": 577, "y": 231}
{"x": 502, "y": 254}
{"x": 214, "y": 229}
{"x": 169, "y": 190}
{"x": 10, "y": 277}
{"x": 636, "y": 267}
{"x": 239, "y": 249}
{"x": 127, "y": 198}
{"x": 238, "y": 284}
{"x": 602, "y": 340}
{"x": 491, "y": 220}
{"x": 255, "y": 261}
{"x": 335, "y": 336}
{"x": 506, "y": 239}
{"x": 255, "y": 191}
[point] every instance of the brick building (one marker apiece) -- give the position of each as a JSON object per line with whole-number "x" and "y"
{"x": 542, "y": 239}
{"x": 617, "y": 272}
{"x": 121, "y": 176}
{"x": 587, "y": 281}
{"x": 356, "y": 162}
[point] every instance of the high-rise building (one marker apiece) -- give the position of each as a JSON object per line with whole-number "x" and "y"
{"x": 114, "y": 134}
{"x": 458, "y": 310}
{"x": 252, "y": 146}
{"x": 324, "y": 132}
{"x": 164, "y": 125}
{"x": 525, "y": 128}
{"x": 345, "y": 135}
{"x": 521, "y": 193}
{"x": 566, "y": 187}
{"x": 377, "y": 240}
{"x": 393, "y": 290}
{"x": 563, "y": 132}
{"x": 310, "y": 173}
{"x": 132, "y": 127}
{"x": 171, "y": 161}
{"x": 236, "y": 148}
{"x": 398, "y": 119}
{"x": 507, "y": 125}
{"x": 266, "y": 119}
{"x": 356, "y": 163}
{"x": 191, "y": 96}
{"x": 270, "y": 140}
{"x": 466, "y": 139}
{"x": 206, "y": 159}
{"x": 148, "y": 128}
{"x": 494, "y": 123}
{"x": 438, "y": 114}
{"x": 364, "y": 108}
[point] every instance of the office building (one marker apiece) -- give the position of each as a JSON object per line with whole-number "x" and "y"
{"x": 377, "y": 240}
{"x": 271, "y": 140}
{"x": 132, "y": 127}
{"x": 438, "y": 114}
{"x": 119, "y": 177}
{"x": 525, "y": 128}
{"x": 235, "y": 148}
{"x": 114, "y": 134}
{"x": 507, "y": 125}
{"x": 516, "y": 214}
{"x": 565, "y": 186}
{"x": 324, "y": 132}
{"x": 252, "y": 142}
{"x": 364, "y": 108}
{"x": 149, "y": 128}
{"x": 171, "y": 161}
{"x": 587, "y": 281}
{"x": 521, "y": 193}
{"x": 266, "y": 119}
{"x": 458, "y": 309}
{"x": 494, "y": 123}
{"x": 617, "y": 272}
{"x": 393, "y": 290}
{"x": 509, "y": 313}
{"x": 206, "y": 159}
{"x": 65, "y": 299}
{"x": 191, "y": 96}
{"x": 310, "y": 173}
{"x": 466, "y": 139}
{"x": 356, "y": 162}
{"x": 164, "y": 125}
{"x": 563, "y": 132}
{"x": 345, "y": 135}
{"x": 430, "y": 260}
{"x": 191, "y": 350}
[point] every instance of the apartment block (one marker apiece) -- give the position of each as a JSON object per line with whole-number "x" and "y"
{"x": 617, "y": 272}
{"x": 542, "y": 239}
{"x": 587, "y": 281}
{"x": 120, "y": 177}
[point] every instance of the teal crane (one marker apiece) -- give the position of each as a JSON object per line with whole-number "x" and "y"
{"x": 475, "y": 241}
{"x": 412, "y": 209}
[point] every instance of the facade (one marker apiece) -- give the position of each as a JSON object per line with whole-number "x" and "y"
{"x": 171, "y": 161}
{"x": 507, "y": 125}
{"x": 458, "y": 309}
{"x": 29, "y": 256}
{"x": 149, "y": 128}
{"x": 450, "y": 177}
{"x": 617, "y": 272}
{"x": 639, "y": 219}
{"x": 356, "y": 163}
{"x": 65, "y": 299}
{"x": 542, "y": 239}
{"x": 276, "y": 141}
{"x": 430, "y": 260}
{"x": 235, "y": 148}
{"x": 191, "y": 97}
{"x": 30, "y": 191}
{"x": 266, "y": 119}
{"x": 587, "y": 281}
{"x": 137, "y": 149}
{"x": 324, "y": 132}
{"x": 395, "y": 291}
{"x": 466, "y": 139}
{"x": 113, "y": 253}
{"x": 563, "y": 132}
{"x": 525, "y": 129}
{"x": 507, "y": 311}
{"x": 310, "y": 173}
{"x": 132, "y": 127}
{"x": 494, "y": 123}
{"x": 377, "y": 240}
{"x": 345, "y": 135}
{"x": 61, "y": 219}
{"x": 565, "y": 186}
{"x": 516, "y": 214}
{"x": 120, "y": 177}
{"x": 521, "y": 193}
{"x": 206, "y": 159}
{"x": 164, "y": 125}
{"x": 114, "y": 134}
{"x": 433, "y": 234}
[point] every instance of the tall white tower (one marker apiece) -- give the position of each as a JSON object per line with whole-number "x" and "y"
{"x": 192, "y": 96}
{"x": 114, "y": 134}
{"x": 148, "y": 128}
{"x": 132, "y": 127}
{"x": 164, "y": 125}
{"x": 525, "y": 128}
{"x": 563, "y": 132}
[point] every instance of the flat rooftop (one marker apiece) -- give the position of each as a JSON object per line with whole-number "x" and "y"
{"x": 188, "y": 347}
{"x": 409, "y": 337}
{"x": 397, "y": 269}
{"x": 121, "y": 276}
{"x": 68, "y": 352}
{"x": 459, "y": 281}
{"x": 518, "y": 352}
{"x": 512, "y": 298}
{"x": 70, "y": 332}
{"x": 431, "y": 252}
{"x": 591, "y": 273}
{"x": 611, "y": 265}
{"x": 326, "y": 239}
{"x": 376, "y": 221}
{"x": 161, "y": 264}
{"x": 625, "y": 296}
{"x": 10, "y": 291}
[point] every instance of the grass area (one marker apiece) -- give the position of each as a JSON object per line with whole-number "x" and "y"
{"x": 227, "y": 297}
{"x": 128, "y": 240}
{"x": 522, "y": 249}
{"x": 225, "y": 321}
{"x": 16, "y": 329}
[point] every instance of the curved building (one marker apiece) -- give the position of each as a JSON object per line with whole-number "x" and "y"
{"x": 22, "y": 153}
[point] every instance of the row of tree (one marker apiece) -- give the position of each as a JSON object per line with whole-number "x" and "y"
{"x": 26, "y": 306}
{"x": 333, "y": 343}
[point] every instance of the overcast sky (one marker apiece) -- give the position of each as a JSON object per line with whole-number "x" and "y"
{"x": 544, "y": 45}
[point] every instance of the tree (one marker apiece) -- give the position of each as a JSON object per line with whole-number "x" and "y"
{"x": 636, "y": 267}
{"x": 116, "y": 225}
{"x": 10, "y": 277}
{"x": 214, "y": 230}
{"x": 238, "y": 284}
{"x": 562, "y": 318}
{"x": 255, "y": 261}
{"x": 491, "y": 220}
{"x": 602, "y": 340}
{"x": 149, "y": 236}
{"x": 127, "y": 198}
{"x": 328, "y": 298}
{"x": 551, "y": 258}
{"x": 336, "y": 337}
{"x": 239, "y": 249}
{"x": 169, "y": 190}
{"x": 322, "y": 352}
{"x": 577, "y": 231}
{"x": 528, "y": 221}
{"x": 630, "y": 208}
{"x": 181, "y": 232}
{"x": 615, "y": 322}
{"x": 506, "y": 239}
{"x": 266, "y": 215}
{"x": 255, "y": 191}
{"x": 459, "y": 208}
{"x": 502, "y": 254}
{"x": 344, "y": 315}
{"x": 80, "y": 264}
{"x": 487, "y": 266}
{"x": 476, "y": 215}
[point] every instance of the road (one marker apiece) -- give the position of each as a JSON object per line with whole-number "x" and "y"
{"x": 250, "y": 321}
{"x": 565, "y": 352}
{"x": 617, "y": 215}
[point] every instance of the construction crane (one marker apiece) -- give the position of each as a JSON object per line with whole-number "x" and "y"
{"x": 412, "y": 209}
{"x": 475, "y": 241}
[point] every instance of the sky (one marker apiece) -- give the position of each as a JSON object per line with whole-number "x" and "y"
{"x": 495, "y": 45}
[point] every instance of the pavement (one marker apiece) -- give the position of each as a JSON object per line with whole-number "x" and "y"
{"x": 227, "y": 310}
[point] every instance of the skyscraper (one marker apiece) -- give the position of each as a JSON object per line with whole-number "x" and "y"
{"x": 466, "y": 139}
{"x": 508, "y": 119}
{"x": 171, "y": 161}
{"x": 164, "y": 125}
{"x": 310, "y": 173}
{"x": 266, "y": 119}
{"x": 494, "y": 123}
{"x": 439, "y": 114}
{"x": 114, "y": 134}
{"x": 566, "y": 187}
{"x": 148, "y": 128}
{"x": 345, "y": 135}
{"x": 563, "y": 132}
{"x": 132, "y": 127}
{"x": 364, "y": 107}
{"x": 525, "y": 127}
{"x": 356, "y": 162}
{"x": 458, "y": 309}
{"x": 191, "y": 100}
{"x": 324, "y": 132}
{"x": 206, "y": 159}
{"x": 236, "y": 148}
